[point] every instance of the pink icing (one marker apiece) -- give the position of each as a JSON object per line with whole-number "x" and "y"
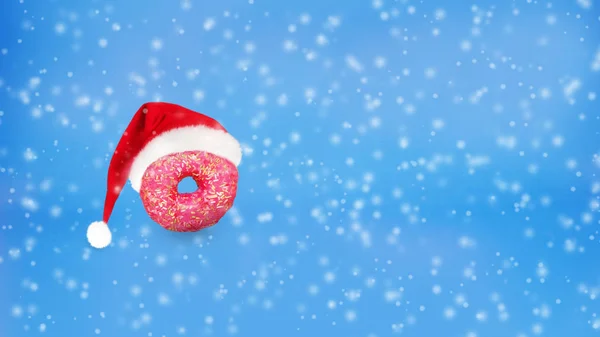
{"x": 189, "y": 212}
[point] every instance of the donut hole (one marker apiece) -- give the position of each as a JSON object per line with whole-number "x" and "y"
{"x": 187, "y": 185}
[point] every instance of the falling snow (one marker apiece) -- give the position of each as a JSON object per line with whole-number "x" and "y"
{"x": 416, "y": 168}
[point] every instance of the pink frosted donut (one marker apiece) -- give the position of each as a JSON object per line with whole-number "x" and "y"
{"x": 215, "y": 176}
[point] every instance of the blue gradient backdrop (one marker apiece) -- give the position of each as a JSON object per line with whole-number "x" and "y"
{"x": 415, "y": 168}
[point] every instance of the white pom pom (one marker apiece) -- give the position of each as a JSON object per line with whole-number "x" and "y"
{"x": 99, "y": 235}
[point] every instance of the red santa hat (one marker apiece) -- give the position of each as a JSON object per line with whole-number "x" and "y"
{"x": 156, "y": 130}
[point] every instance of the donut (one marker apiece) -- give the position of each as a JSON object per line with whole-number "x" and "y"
{"x": 215, "y": 176}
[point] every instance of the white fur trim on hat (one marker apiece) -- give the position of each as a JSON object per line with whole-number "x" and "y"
{"x": 191, "y": 138}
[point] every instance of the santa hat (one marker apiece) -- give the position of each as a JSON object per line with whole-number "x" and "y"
{"x": 157, "y": 130}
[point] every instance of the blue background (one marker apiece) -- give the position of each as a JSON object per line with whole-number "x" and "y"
{"x": 450, "y": 190}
